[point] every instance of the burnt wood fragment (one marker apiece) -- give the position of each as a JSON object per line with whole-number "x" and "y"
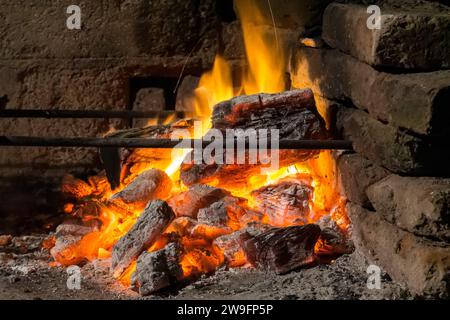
{"x": 332, "y": 244}
{"x": 293, "y": 113}
{"x": 282, "y": 249}
{"x": 149, "y": 185}
{"x": 151, "y": 224}
{"x": 230, "y": 246}
{"x": 157, "y": 270}
{"x": 118, "y": 161}
{"x": 67, "y": 235}
{"x": 224, "y": 213}
{"x": 200, "y": 196}
{"x": 285, "y": 203}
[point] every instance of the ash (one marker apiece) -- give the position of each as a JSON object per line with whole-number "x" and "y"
{"x": 25, "y": 273}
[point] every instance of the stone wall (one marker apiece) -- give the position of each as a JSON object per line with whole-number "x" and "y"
{"x": 389, "y": 90}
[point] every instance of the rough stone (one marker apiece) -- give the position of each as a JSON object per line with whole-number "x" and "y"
{"x": 185, "y": 94}
{"x": 356, "y": 175}
{"x": 109, "y": 29}
{"x": 392, "y": 148}
{"x": 408, "y": 39}
{"x": 302, "y": 16}
{"x": 417, "y": 263}
{"x": 420, "y": 205}
{"x": 415, "y": 101}
{"x": 150, "y": 224}
{"x": 148, "y": 99}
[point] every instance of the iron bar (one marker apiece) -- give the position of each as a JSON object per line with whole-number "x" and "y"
{"x": 87, "y": 114}
{"x": 25, "y": 141}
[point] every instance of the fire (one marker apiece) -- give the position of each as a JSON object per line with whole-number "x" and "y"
{"x": 266, "y": 73}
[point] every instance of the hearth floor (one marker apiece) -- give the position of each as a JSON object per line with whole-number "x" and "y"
{"x": 25, "y": 274}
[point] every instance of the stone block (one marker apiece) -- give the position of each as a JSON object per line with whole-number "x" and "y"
{"x": 420, "y": 205}
{"x": 413, "y": 38}
{"x": 423, "y": 266}
{"x": 415, "y": 101}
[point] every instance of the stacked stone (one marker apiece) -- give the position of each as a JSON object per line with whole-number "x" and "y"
{"x": 389, "y": 90}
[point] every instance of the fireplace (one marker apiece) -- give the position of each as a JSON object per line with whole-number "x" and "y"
{"x": 259, "y": 150}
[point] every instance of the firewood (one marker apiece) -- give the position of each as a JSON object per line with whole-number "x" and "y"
{"x": 230, "y": 246}
{"x": 149, "y": 185}
{"x": 332, "y": 244}
{"x": 224, "y": 213}
{"x": 282, "y": 249}
{"x": 293, "y": 113}
{"x": 119, "y": 161}
{"x": 157, "y": 270}
{"x": 67, "y": 235}
{"x": 151, "y": 223}
{"x": 188, "y": 203}
{"x": 73, "y": 188}
{"x": 285, "y": 203}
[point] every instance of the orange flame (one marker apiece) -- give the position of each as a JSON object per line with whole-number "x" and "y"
{"x": 265, "y": 73}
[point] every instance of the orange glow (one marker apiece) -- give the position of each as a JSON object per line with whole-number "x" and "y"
{"x": 266, "y": 74}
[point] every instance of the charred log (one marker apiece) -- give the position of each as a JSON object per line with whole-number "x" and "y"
{"x": 230, "y": 246}
{"x": 293, "y": 113}
{"x": 157, "y": 270}
{"x": 197, "y": 197}
{"x": 282, "y": 249}
{"x": 332, "y": 244}
{"x": 285, "y": 203}
{"x": 152, "y": 222}
{"x": 149, "y": 185}
{"x": 225, "y": 213}
{"x": 67, "y": 235}
{"x": 119, "y": 161}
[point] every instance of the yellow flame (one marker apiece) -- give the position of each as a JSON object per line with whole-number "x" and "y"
{"x": 265, "y": 55}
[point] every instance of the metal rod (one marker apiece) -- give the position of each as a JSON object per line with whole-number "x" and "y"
{"x": 24, "y": 141}
{"x": 85, "y": 114}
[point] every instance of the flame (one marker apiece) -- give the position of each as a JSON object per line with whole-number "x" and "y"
{"x": 266, "y": 73}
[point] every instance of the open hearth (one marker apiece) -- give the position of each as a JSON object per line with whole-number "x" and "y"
{"x": 274, "y": 150}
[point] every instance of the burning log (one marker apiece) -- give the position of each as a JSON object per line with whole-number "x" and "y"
{"x": 152, "y": 222}
{"x": 189, "y": 203}
{"x": 285, "y": 203}
{"x": 182, "y": 226}
{"x": 157, "y": 270}
{"x": 224, "y": 213}
{"x": 282, "y": 249}
{"x": 73, "y": 188}
{"x": 293, "y": 113}
{"x": 230, "y": 245}
{"x": 67, "y": 235}
{"x": 332, "y": 244}
{"x": 118, "y": 162}
{"x": 149, "y": 185}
